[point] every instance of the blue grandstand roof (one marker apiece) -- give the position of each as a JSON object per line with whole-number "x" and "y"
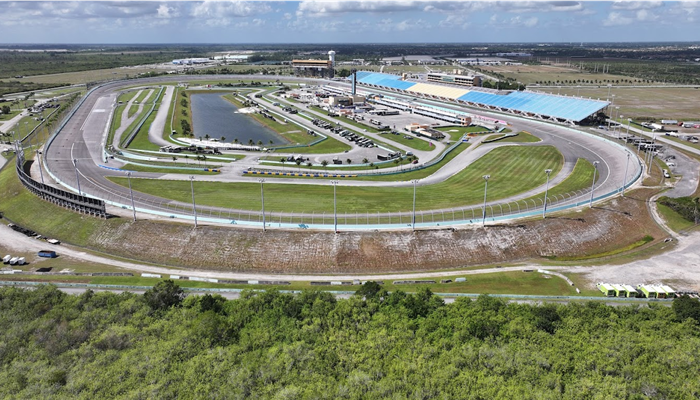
{"x": 568, "y": 108}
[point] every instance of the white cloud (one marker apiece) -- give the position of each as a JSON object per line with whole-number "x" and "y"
{"x": 646, "y": 16}
{"x": 454, "y": 21}
{"x": 617, "y": 19}
{"x": 221, "y": 13}
{"x": 636, "y": 5}
{"x": 167, "y": 12}
{"x": 316, "y": 7}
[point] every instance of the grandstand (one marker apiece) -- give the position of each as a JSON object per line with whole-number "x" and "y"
{"x": 554, "y": 108}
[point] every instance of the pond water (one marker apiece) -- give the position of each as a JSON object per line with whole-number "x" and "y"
{"x": 215, "y": 116}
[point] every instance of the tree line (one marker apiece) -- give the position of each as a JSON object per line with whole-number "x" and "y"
{"x": 376, "y": 344}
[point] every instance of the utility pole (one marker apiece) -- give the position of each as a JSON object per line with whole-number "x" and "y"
{"x": 413, "y": 223}
{"x": 595, "y": 169}
{"x": 262, "y": 198}
{"x": 77, "y": 177}
{"x": 546, "y": 191}
{"x": 335, "y": 209}
{"x": 194, "y": 205}
{"x": 486, "y": 186}
{"x": 131, "y": 192}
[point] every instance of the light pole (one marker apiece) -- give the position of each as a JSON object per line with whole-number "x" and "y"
{"x": 413, "y": 221}
{"x": 262, "y": 199}
{"x": 595, "y": 169}
{"x": 194, "y": 205}
{"x": 617, "y": 125}
{"x": 77, "y": 178}
{"x": 335, "y": 209}
{"x": 131, "y": 192}
{"x": 486, "y": 186}
{"x": 38, "y": 159}
{"x": 627, "y": 164}
{"x": 612, "y": 108}
{"x": 546, "y": 191}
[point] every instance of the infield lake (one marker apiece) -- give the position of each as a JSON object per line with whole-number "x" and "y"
{"x": 215, "y": 116}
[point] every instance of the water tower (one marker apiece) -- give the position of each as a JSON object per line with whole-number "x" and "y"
{"x": 331, "y": 58}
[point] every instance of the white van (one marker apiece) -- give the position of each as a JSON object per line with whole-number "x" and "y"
{"x": 666, "y": 174}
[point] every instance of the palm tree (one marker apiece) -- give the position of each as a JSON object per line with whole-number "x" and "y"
{"x": 299, "y": 164}
{"x": 207, "y": 136}
{"x": 235, "y": 140}
{"x": 365, "y": 161}
{"x": 349, "y": 161}
{"x": 187, "y": 158}
{"x": 223, "y": 138}
{"x": 250, "y": 142}
{"x": 324, "y": 163}
{"x": 271, "y": 142}
{"x": 204, "y": 158}
{"x": 174, "y": 158}
{"x": 260, "y": 142}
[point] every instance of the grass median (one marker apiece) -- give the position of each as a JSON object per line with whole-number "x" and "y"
{"x": 513, "y": 170}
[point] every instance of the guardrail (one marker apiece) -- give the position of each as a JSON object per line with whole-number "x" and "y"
{"x": 69, "y": 200}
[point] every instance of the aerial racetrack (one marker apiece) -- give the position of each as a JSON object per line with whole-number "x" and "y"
{"x": 459, "y": 181}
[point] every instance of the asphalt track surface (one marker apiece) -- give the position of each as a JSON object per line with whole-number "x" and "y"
{"x": 81, "y": 141}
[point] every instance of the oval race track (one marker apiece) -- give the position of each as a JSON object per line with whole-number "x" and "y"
{"x": 82, "y": 139}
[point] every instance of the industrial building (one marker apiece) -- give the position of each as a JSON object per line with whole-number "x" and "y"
{"x": 461, "y": 80}
{"x": 315, "y": 68}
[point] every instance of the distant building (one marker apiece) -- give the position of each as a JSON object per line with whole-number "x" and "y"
{"x": 462, "y": 80}
{"x": 190, "y": 61}
{"x": 316, "y": 68}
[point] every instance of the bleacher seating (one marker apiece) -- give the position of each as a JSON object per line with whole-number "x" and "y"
{"x": 567, "y": 108}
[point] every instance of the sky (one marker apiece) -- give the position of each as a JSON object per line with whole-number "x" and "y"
{"x": 313, "y": 21}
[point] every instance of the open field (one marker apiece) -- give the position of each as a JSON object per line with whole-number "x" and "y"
{"x": 86, "y": 76}
{"x": 511, "y": 168}
{"x": 655, "y": 102}
{"x": 550, "y": 74}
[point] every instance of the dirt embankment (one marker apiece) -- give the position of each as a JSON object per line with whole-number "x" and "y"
{"x": 616, "y": 224}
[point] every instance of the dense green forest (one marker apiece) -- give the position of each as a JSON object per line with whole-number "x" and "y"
{"x": 23, "y": 63}
{"x": 373, "y": 345}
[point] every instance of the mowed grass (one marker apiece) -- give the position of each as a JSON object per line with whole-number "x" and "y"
{"x": 522, "y": 137}
{"x": 520, "y": 283}
{"x": 192, "y": 169}
{"x": 580, "y": 179}
{"x": 674, "y": 220}
{"x": 413, "y": 142}
{"x": 513, "y": 170}
{"x": 23, "y": 207}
